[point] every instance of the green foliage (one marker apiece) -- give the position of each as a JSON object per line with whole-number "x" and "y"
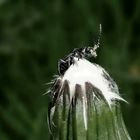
{"x": 35, "y": 34}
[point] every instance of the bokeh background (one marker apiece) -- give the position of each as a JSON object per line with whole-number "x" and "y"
{"x": 35, "y": 34}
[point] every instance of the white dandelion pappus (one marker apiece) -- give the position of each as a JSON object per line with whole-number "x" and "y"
{"x": 82, "y": 72}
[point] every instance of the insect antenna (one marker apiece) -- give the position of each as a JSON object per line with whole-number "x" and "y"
{"x": 99, "y": 38}
{"x": 100, "y": 34}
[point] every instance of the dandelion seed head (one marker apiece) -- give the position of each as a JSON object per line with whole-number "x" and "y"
{"x": 83, "y": 71}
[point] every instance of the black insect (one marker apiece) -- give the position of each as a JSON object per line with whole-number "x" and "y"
{"x": 79, "y": 53}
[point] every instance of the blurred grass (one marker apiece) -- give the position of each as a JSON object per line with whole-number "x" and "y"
{"x": 35, "y": 34}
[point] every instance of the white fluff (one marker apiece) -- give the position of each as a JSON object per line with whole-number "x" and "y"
{"x": 84, "y": 71}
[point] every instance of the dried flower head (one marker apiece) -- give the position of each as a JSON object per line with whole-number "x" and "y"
{"x": 85, "y": 100}
{"x": 87, "y": 82}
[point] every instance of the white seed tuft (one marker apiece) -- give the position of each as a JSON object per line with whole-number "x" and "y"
{"x": 83, "y": 71}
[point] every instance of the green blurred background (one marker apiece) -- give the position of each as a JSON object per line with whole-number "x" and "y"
{"x": 35, "y": 34}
